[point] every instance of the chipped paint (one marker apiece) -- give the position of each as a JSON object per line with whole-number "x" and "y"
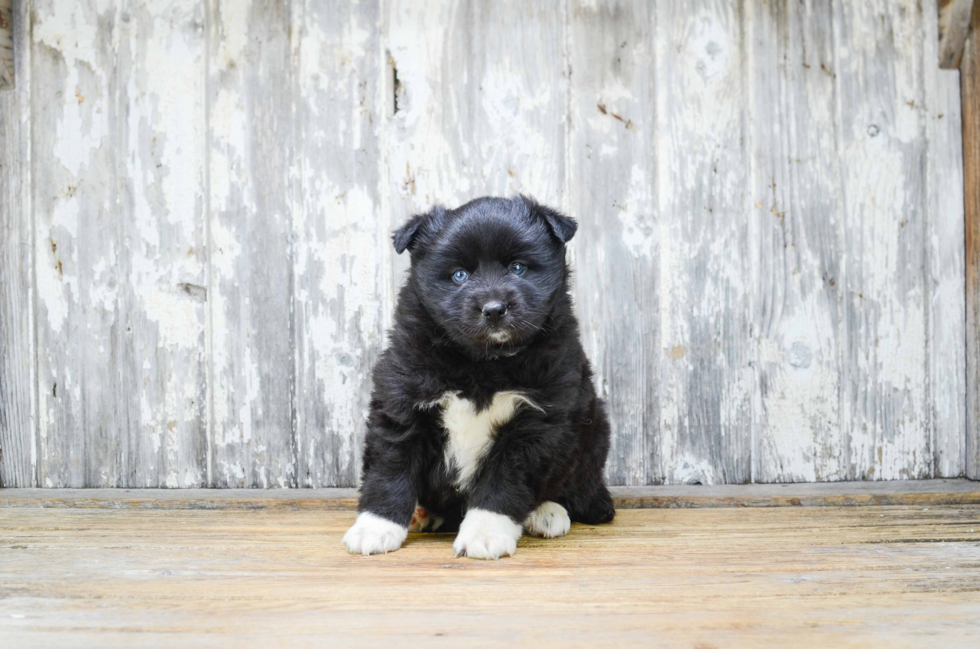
{"x": 769, "y": 271}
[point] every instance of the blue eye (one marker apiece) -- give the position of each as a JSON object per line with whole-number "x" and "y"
{"x": 460, "y": 276}
{"x": 518, "y": 268}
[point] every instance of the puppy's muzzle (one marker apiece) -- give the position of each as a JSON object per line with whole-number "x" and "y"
{"x": 493, "y": 311}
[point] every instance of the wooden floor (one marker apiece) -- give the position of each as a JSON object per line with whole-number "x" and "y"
{"x": 789, "y": 576}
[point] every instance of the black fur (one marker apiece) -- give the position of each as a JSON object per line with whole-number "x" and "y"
{"x": 439, "y": 344}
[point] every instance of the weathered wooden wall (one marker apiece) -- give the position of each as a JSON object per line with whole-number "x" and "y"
{"x": 197, "y": 272}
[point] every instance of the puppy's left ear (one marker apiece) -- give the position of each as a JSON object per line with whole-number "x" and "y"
{"x": 563, "y": 227}
{"x": 409, "y": 235}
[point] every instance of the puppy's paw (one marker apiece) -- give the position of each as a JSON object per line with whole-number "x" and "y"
{"x": 372, "y": 534}
{"x": 486, "y": 535}
{"x": 549, "y": 520}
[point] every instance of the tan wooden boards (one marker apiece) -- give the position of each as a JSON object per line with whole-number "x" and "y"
{"x": 970, "y": 85}
{"x": 894, "y": 576}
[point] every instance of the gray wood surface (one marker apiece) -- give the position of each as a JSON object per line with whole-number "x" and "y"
{"x": 120, "y": 252}
{"x": 252, "y": 199}
{"x": 769, "y": 272}
{"x": 796, "y": 213}
{"x": 612, "y": 113}
{"x": 18, "y": 401}
{"x": 341, "y": 244}
{"x": 882, "y": 144}
{"x": 707, "y": 374}
{"x": 823, "y": 494}
{"x": 945, "y": 277}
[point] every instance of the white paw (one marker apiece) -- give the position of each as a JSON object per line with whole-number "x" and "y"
{"x": 372, "y": 534}
{"x": 486, "y": 535}
{"x": 549, "y": 520}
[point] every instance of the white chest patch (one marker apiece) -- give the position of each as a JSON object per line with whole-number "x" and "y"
{"x": 471, "y": 433}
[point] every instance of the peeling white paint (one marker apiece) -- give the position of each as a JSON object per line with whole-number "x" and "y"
{"x": 824, "y": 352}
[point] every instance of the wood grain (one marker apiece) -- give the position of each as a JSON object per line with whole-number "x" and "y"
{"x": 881, "y": 129}
{"x": 945, "y": 279}
{"x": 481, "y": 99}
{"x": 796, "y": 210}
{"x": 118, "y": 192}
{"x": 953, "y": 26}
{"x": 896, "y": 576}
{"x": 253, "y": 193}
{"x": 769, "y": 273}
{"x": 8, "y": 74}
{"x": 612, "y": 137}
{"x": 819, "y": 494}
{"x": 707, "y": 375}
{"x": 341, "y": 247}
{"x": 970, "y": 93}
{"x": 18, "y": 400}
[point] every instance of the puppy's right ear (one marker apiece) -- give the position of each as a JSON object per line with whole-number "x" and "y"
{"x": 418, "y": 227}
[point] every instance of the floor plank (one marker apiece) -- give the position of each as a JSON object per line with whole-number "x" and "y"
{"x": 819, "y": 494}
{"x": 884, "y": 576}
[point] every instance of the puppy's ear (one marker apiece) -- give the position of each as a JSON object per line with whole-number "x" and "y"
{"x": 561, "y": 226}
{"x": 419, "y": 226}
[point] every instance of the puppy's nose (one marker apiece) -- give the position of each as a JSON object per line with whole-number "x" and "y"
{"x": 494, "y": 311}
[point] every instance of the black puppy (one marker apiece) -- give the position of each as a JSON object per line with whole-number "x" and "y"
{"x": 483, "y": 413}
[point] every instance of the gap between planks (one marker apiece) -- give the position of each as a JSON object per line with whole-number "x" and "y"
{"x": 828, "y": 494}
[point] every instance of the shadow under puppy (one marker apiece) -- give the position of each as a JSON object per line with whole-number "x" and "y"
{"x": 483, "y": 416}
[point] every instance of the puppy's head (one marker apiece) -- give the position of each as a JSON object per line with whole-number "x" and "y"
{"x": 490, "y": 271}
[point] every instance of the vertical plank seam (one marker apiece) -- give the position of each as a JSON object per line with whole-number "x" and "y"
{"x": 754, "y": 271}
{"x": 209, "y": 277}
{"x": 27, "y": 28}
{"x": 566, "y": 59}
{"x": 295, "y": 201}
{"x": 653, "y": 475}
{"x": 843, "y": 341}
{"x": 744, "y": 226}
{"x": 299, "y": 159}
{"x": 927, "y": 218}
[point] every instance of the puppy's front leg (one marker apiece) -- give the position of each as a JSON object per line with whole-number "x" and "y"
{"x": 386, "y": 506}
{"x": 498, "y": 500}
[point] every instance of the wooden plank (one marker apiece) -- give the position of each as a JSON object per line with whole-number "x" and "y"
{"x": 612, "y": 172}
{"x": 7, "y": 38}
{"x": 481, "y": 100}
{"x": 970, "y": 93}
{"x": 118, "y": 110}
{"x": 707, "y": 378}
{"x": 796, "y": 209}
{"x": 342, "y": 245}
{"x": 881, "y": 130}
{"x": 18, "y": 399}
{"x": 252, "y": 197}
{"x": 823, "y": 494}
{"x": 953, "y": 28}
{"x": 944, "y": 250}
{"x": 816, "y": 577}
{"x": 324, "y": 499}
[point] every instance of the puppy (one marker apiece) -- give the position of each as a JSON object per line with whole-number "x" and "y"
{"x": 483, "y": 413}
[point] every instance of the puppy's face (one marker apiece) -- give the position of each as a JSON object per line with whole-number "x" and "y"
{"x": 488, "y": 272}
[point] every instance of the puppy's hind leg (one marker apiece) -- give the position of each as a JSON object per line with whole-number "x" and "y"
{"x": 591, "y": 504}
{"x": 549, "y": 520}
